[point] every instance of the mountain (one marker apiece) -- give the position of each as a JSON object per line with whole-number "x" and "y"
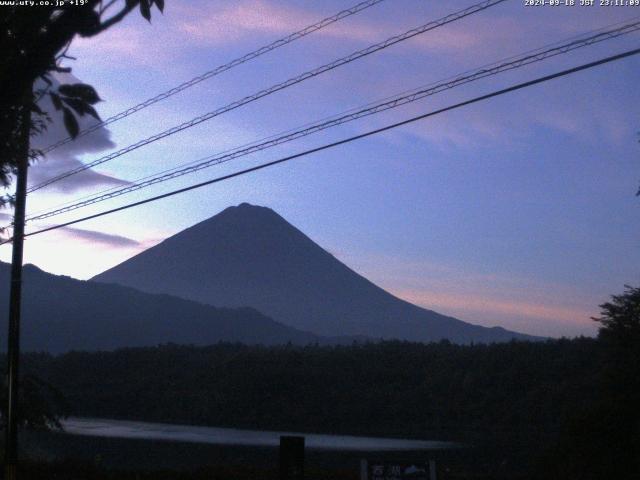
{"x": 250, "y": 256}
{"x": 60, "y": 314}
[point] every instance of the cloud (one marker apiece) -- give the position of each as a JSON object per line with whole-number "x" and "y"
{"x": 512, "y": 121}
{"x": 490, "y": 306}
{"x": 93, "y": 237}
{"x": 486, "y": 36}
{"x": 131, "y": 41}
{"x": 213, "y": 26}
{"x": 209, "y": 24}
{"x": 55, "y": 165}
{"x": 488, "y": 298}
{"x": 544, "y": 317}
{"x": 79, "y": 253}
{"x": 66, "y": 157}
{"x": 101, "y": 238}
{"x": 90, "y": 236}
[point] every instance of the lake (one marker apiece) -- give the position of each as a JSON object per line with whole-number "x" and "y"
{"x": 99, "y": 427}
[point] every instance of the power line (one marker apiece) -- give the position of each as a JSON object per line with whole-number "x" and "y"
{"x": 280, "y": 86}
{"x": 503, "y": 91}
{"x": 394, "y": 102}
{"x": 292, "y": 81}
{"x": 623, "y": 25}
{"x": 222, "y": 68}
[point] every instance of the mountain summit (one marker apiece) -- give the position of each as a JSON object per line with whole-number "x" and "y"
{"x": 251, "y": 256}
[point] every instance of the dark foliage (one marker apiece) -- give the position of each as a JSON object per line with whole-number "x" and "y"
{"x": 34, "y": 41}
{"x": 603, "y": 441}
{"x": 555, "y": 410}
{"x": 516, "y": 393}
{"x": 41, "y": 404}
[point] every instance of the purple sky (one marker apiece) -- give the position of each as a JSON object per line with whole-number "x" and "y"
{"x": 519, "y": 211}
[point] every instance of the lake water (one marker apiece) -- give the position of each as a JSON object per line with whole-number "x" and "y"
{"x": 230, "y": 436}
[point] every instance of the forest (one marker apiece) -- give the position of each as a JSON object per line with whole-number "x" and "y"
{"x": 518, "y": 400}
{"x": 392, "y": 388}
{"x": 564, "y": 408}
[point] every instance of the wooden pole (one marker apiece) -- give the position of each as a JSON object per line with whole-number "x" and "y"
{"x": 13, "y": 347}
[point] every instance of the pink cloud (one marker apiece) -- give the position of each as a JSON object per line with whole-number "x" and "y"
{"x": 487, "y": 36}
{"x": 492, "y": 298}
{"x": 213, "y": 25}
{"x": 226, "y": 25}
{"x": 527, "y": 316}
{"x": 489, "y": 306}
{"x": 145, "y": 45}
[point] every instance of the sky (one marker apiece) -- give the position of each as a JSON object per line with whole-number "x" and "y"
{"x": 519, "y": 211}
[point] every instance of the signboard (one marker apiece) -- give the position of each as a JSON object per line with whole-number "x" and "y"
{"x": 291, "y": 458}
{"x": 375, "y": 470}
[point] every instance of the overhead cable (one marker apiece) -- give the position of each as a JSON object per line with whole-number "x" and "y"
{"x": 497, "y": 93}
{"x": 394, "y": 102}
{"x": 478, "y": 7}
{"x": 220, "y": 69}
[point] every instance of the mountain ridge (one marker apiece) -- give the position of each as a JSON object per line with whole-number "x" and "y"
{"x": 249, "y": 255}
{"x": 60, "y": 313}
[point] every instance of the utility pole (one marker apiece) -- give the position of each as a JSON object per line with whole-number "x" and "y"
{"x": 13, "y": 350}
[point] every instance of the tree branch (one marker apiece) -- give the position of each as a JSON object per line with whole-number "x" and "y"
{"x": 112, "y": 20}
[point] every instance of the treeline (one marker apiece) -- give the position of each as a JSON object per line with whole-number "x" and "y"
{"x": 518, "y": 392}
{"x": 555, "y": 410}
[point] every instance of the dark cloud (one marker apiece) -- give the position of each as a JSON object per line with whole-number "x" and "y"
{"x": 65, "y": 158}
{"x": 55, "y": 164}
{"x": 109, "y": 239}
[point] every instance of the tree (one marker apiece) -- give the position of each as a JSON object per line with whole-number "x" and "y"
{"x": 620, "y": 321}
{"x": 604, "y": 441}
{"x": 42, "y": 405}
{"x": 619, "y": 335}
{"x": 34, "y": 41}
{"x": 601, "y": 438}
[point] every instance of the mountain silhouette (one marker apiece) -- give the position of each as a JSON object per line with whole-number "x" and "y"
{"x": 61, "y": 314}
{"x": 250, "y": 256}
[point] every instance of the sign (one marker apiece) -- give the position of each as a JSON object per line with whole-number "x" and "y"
{"x": 375, "y": 470}
{"x": 291, "y": 458}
